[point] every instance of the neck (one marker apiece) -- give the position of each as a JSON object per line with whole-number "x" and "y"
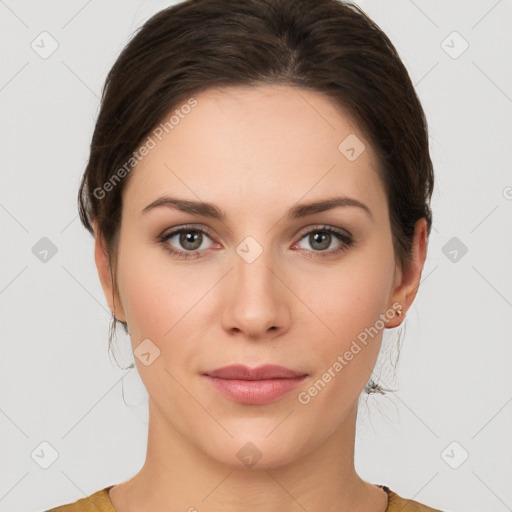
{"x": 177, "y": 475}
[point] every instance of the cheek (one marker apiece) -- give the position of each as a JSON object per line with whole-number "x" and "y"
{"x": 352, "y": 303}
{"x": 154, "y": 301}
{"x": 162, "y": 300}
{"x": 158, "y": 300}
{"x": 352, "y": 299}
{"x": 346, "y": 358}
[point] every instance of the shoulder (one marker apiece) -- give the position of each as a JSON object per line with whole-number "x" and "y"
{"x": 100, "y": 502}
{"x": 96, "y": 502}
{"x": 398, "y": 504}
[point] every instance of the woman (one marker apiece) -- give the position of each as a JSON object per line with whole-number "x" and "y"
{"x": 258, "y": 189}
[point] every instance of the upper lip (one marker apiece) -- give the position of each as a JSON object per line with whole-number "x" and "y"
{"x": 267, "y": 371}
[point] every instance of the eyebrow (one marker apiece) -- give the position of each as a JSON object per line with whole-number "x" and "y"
{"x": 210, "y": 210}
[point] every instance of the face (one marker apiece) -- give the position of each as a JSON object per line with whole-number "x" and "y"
{"x": 264, "y": 281}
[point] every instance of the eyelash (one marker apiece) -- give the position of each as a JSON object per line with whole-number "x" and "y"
{"x": 343, "y": 237}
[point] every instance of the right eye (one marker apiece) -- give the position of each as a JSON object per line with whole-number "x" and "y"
{"x": 190, "y": 239}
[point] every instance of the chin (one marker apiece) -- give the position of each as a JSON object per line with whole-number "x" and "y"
{"x": 257, "y": 449}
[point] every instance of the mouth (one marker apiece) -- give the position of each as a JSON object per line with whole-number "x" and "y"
{"x": 254, "y": 386}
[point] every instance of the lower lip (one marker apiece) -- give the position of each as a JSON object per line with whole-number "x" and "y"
{"x": 255, "y": 392}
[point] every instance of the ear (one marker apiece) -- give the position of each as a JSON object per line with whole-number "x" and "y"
{"x": 105, "y": 275}
{"x": 408, "y": 279}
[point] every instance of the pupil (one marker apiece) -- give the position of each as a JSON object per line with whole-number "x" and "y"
{"x": 325, "y": 237}
{"x": 188, "y": 238}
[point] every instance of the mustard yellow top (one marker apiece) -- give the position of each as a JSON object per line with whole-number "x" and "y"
{"x": 100, "y": 502}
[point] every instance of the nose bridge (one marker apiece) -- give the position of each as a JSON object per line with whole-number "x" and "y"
{"x": 256, "y": 302}
{"x": 252, "y": 265}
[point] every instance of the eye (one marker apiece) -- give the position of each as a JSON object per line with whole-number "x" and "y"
{"x": 190, "y": 239}
{"x": 322, "y": 238}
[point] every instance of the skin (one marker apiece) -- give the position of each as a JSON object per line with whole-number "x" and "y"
{"x": 255, "y": 152}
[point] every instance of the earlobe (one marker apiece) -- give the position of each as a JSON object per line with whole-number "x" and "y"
{"x": 105, "y": 274}
{"x": 410, "y": 277}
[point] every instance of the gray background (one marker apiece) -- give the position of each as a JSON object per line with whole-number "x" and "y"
{"x": 58, "y": 383}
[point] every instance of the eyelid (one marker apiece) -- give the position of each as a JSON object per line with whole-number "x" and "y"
{"x": 326, "y": 227}
{"x": 192, "y": 227}
{"x": 172, "y": 232}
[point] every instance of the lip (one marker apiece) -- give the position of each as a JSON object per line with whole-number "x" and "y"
{"x": 255, "y": 386}
{"x": 267, "y": 371}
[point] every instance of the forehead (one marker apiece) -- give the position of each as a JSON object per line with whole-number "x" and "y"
{"x": 257, "y": 145}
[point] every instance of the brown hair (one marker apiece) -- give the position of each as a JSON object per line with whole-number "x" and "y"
{"x": 323, "y": 45}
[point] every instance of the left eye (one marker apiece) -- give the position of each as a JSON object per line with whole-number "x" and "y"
{"x": 322, "y": 239}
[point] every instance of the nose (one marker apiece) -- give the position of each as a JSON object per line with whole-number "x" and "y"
{"x": 256, "y": 298}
